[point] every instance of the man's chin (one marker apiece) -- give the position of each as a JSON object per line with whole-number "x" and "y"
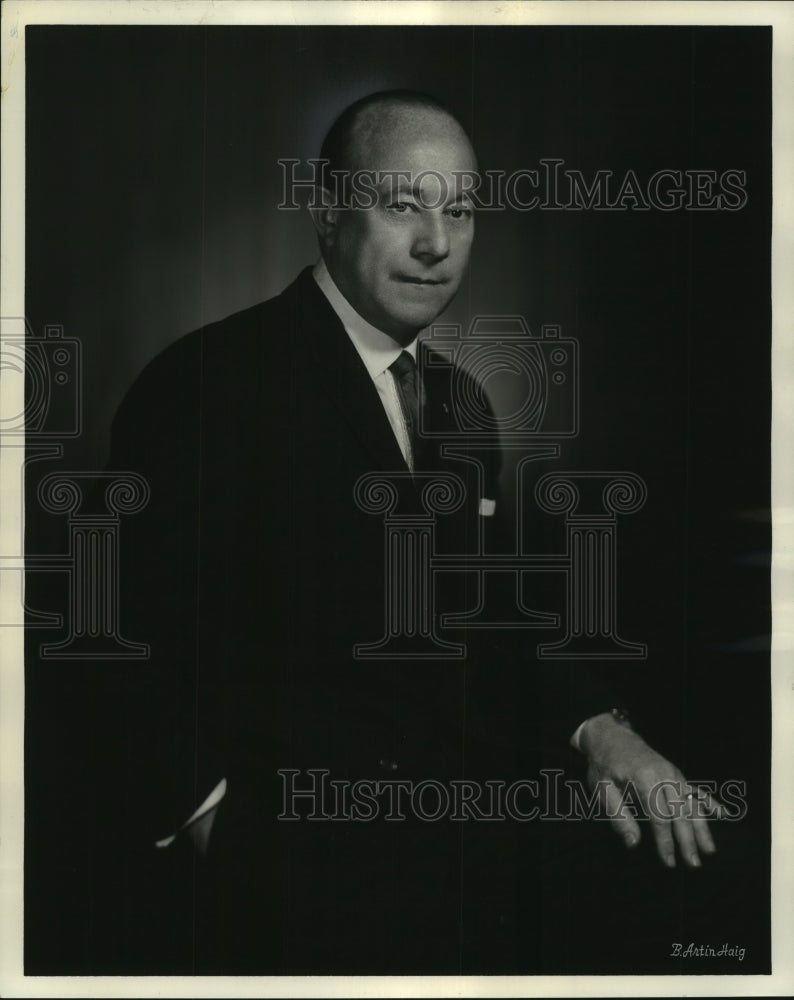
{"x": 419, "y": 317}
{"x": 410, "y": 326}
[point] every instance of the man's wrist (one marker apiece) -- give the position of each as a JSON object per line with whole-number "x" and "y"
{"x": 598, "y": 725}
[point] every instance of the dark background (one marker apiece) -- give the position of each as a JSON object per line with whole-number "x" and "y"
{"x": 152, "y": 186}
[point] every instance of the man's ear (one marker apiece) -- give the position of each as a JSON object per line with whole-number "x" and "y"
{"x": 325, "y": 215}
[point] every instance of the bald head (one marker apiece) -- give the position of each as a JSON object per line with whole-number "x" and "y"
{"x": 371, "y": 133}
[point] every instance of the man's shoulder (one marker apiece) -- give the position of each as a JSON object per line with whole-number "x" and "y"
{"x": 222, "y": 344}
{"x": 220, "y": 341}
{"x": 225, "y": 362}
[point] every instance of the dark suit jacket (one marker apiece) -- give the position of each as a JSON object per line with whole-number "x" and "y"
{"x": 252, "y": 574}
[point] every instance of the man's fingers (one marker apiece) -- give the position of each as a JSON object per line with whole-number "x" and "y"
{"x": 703, "y": 836}
{"x": 623, "y": 823}
{"x": 684, "y": 835}
{"x": 661, "y": 815}
{"x": 703, "y": 807}
{"x": 690, "y": 828}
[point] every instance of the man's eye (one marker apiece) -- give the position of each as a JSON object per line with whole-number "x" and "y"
{"x": 460, "y": 213}
{"x": 399, "y": 206}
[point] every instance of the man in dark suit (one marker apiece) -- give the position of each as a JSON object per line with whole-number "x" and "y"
{"x": 254, "y": 573}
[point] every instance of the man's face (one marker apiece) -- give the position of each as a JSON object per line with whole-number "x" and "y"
{"x": 400, "y": 262}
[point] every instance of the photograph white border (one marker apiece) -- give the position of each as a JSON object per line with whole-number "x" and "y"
{"x": 15, "y": 16}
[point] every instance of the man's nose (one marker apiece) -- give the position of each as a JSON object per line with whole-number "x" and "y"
{"x": 431, "y": 240}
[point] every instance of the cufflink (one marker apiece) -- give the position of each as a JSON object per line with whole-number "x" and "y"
{"x": 622, "y": 716}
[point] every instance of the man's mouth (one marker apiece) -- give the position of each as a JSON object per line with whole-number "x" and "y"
{"x": 421, "y": 281}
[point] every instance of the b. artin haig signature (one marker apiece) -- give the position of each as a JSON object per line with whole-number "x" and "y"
{"x": 693, "y": 950}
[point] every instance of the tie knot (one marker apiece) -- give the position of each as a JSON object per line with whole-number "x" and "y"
{"x": 404, "y": 365}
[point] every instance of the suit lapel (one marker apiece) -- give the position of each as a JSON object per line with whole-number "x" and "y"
{"x": 343, "y": 375}
{"x": 437, "y": 417}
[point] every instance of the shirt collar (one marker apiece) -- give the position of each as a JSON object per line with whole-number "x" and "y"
{"x": 376, "y": 349}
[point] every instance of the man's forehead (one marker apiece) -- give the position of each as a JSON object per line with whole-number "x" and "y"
{"x": 412, "y": 139}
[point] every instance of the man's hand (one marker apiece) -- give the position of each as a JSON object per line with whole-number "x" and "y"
{"x": 678, "y": 811}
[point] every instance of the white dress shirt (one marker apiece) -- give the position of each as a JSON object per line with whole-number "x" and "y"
{"x": 377, "y": 350}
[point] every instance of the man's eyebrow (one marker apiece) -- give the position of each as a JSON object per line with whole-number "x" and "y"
{"x": 387, "y": 180}
{"x": 388, "y": 183}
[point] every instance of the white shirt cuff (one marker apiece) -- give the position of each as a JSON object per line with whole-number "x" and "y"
{"x": 210, "y": 802}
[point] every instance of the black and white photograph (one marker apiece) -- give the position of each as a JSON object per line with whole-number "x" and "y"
{"x": 387, "y": 568}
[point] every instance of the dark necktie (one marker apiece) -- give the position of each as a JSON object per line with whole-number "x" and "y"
{"x": 404, "y": 372}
